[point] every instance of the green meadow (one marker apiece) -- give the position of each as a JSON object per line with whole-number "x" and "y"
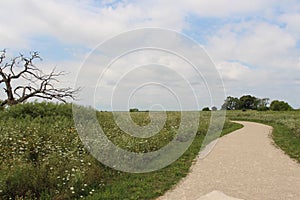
{"x": 42, "y": 156}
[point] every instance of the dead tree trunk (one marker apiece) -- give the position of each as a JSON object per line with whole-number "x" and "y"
{"x": 37, "y": 84}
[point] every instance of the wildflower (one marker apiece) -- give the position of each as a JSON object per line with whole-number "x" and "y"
{"x": 71, "y": 188}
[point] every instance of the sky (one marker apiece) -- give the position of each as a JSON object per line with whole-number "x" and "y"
{"x": 253, "y": 45}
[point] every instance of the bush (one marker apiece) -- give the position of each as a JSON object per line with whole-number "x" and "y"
{"x": 35, "y": 109}
{"x": 214, "y": 108}
{"x": 280, "y": 106}
{"x": 206, "y": 109}
{"x": 133, "y": 110}
{"x": 262, "y": 108}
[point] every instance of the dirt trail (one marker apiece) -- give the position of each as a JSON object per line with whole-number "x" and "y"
{"x": 243, "y": 165}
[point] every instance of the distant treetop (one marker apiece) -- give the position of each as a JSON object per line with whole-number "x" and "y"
{"x": 248, "y": 102}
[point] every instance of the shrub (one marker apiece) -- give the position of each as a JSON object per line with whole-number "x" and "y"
{"x": 280, "y": 106}
{"x": 262, "y": 108}
{"x": 36, "y": 109}
{"x": 206, "y": 109}
{"x": 133, "y": 110}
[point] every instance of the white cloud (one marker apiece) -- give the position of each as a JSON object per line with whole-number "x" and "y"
{"x": 256, "y": 45}
{"x": 82, "y": 22}
{"x": 224, "y": 8}
{"x": 292, "y": 22}
{"x": 257, "y": 57}
{"x": 233, "y": 71}
{"x": 78, "y": 22}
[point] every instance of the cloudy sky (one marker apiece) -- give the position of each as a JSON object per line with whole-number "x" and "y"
{"x": 254, "y": 45}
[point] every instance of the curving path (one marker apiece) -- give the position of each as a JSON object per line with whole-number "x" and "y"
{"x": 243, "y": 165}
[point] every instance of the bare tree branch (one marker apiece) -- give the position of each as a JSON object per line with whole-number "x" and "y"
{"x": 38, "y": 84}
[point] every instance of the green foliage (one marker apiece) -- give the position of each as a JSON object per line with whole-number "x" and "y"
{"x": 263, "y": 108}
{"x": 206, "y": 109}
{"x": 35, "y": 109}
{"x": 248, "y": 102}
{"x": 1, "y": 107}
{"x": 280, "y": 106}
{"x": 133, "y": 110}
{"x": 243, "y": 103}
{"x": 42, "y": 157}
{"x": 231, "y": 103}
{"x": 214, "y": 108}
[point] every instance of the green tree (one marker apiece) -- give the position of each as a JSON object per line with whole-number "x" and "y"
{"x": 206, "y": 109}
{"x": 231, "y": 103}
{"x": 214, "y": 108}
{"x": 133, "y": 110}
{"x": 263, "y": 104}
{"x": 280, "y": 106}
{"x": 249, "y": 102}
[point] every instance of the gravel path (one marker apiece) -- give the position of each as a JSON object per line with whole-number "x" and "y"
{"x": 243, "y": 165}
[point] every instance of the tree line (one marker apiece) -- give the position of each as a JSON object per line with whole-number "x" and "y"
{"x": 248, "y": 102}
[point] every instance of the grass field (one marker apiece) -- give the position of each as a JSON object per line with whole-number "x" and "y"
{"x": 42, "y": 156}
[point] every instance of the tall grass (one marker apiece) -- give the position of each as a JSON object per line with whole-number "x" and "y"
{"x": 42, "y": 157}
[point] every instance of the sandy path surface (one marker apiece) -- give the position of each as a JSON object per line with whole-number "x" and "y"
{"x": 244, "y": 165}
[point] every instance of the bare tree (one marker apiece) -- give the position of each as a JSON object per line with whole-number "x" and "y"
{"x": 22, "y": 80}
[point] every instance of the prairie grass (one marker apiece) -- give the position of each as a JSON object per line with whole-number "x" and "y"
{"x": 42, "y": 157}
